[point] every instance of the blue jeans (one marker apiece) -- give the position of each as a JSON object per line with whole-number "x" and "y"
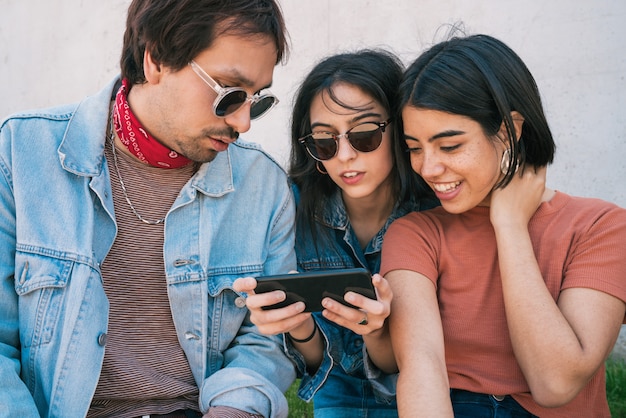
{"x": 479, "y": 405}
{"x": 345, "y": 395}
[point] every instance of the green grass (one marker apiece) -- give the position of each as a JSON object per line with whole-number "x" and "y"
{"x": 615, "y": 393}
{"x": 297, "y": 407}
{"x": 616, "y": 387}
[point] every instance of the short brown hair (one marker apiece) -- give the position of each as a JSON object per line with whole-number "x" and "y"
{"x": 176, "y": 31}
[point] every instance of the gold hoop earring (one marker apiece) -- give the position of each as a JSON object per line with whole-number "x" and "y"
{"x": 505, "y": 164}
{"x": 317, "y": 165}
{"x": 506, "y": 161}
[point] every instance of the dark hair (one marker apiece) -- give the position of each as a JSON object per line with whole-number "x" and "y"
{"x": 176, "y": 31}
{"x": 482, "y": 78}
{"x": 377, "y": 73}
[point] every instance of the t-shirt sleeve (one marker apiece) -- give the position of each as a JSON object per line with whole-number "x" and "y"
{"x": 412, "y": 243}
{"x": 597, "y": 259}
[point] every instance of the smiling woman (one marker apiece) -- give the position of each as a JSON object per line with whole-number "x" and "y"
{"x": 519, "y": 280}
{"x": 449, "y": 152}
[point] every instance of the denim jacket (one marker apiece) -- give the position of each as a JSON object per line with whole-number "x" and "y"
{"x": 340, "y": 386}
{"x": 234, "y": 218}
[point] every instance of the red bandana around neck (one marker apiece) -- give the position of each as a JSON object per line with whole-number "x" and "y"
{"x": 137, "y": 140}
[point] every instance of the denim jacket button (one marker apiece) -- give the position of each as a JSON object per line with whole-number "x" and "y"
{"x": 240, "y": 302}
{"x": 102, "y": 339}
{"x": 191, "y": 336}
{"x": 24, "y": 273}
{"x": 182, "y": 262}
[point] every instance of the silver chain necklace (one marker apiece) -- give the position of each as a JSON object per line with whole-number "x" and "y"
{"x": 119, "y": 177}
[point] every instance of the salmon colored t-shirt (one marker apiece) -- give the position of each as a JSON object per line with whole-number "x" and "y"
{"x": 578, "y": 242}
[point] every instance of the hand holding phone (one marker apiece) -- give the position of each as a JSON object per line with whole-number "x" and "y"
{"x": 313, "y": 286}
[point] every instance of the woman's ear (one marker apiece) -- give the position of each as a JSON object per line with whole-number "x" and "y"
{"x": 151, "y": 69}
{"x": 518, "y": 122}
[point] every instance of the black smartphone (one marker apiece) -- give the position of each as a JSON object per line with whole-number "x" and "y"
{"x": 312, "y": 286}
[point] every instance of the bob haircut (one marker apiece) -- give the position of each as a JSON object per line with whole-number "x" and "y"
{"x": 483, "y": 79}
{"x": 378, "y": 74}
{"x": 176, "y": 31}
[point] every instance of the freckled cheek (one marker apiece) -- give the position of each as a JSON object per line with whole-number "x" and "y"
{"x": 416, "y": 163}
{"x": 484, "y": 171}
{"x": 473, "y": 160}
{"x": 489, "y": 167}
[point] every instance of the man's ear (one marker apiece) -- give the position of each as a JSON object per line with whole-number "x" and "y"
{"x": 151, "y": 69}
{"x": 518, "y": 122}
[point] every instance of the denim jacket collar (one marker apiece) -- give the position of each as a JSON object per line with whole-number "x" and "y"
{"x": 215, "y": 178}
{"x": 85, "y": 158}
{"x": 334, "y": 215}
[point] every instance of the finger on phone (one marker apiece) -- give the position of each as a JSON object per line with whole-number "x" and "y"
{"x": 245, "y": 284}
{"x": 342, "y": 315}
{"x": 382, "y": 288}
{"x": 257, "y": 301}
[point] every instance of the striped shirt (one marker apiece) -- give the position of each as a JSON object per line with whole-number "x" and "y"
{"x": 145, "y": 370}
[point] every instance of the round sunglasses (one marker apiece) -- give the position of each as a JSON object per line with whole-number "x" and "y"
{"x": 365, "y": 137}
{"x": 230, "y": 99}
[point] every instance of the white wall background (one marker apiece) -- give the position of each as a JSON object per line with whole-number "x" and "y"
{"x": 58, "y": 51}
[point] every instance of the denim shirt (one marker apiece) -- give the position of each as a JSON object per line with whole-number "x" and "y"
{"x": 340, "y": 385}
{"x": 233, "y": 218}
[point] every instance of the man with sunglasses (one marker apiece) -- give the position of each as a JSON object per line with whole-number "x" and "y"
{"x": 126, "y": 218}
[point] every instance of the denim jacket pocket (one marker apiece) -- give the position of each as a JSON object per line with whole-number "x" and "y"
{"x": 351, "y": 357}
{"x": 345, "y": 347}
{"x": 40, "y": 282}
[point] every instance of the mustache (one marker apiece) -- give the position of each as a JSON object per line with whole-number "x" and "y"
{"x": 220, "y": 133}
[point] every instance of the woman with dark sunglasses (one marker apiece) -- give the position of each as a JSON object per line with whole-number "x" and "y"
{"x": 352, "y": 178}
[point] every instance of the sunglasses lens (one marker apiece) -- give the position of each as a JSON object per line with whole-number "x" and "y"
{"x": 366, "y": 137}
{"x": 260, "y": 107}
{"x": 230, "y": 103}
{"x": 322, "y": 146}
